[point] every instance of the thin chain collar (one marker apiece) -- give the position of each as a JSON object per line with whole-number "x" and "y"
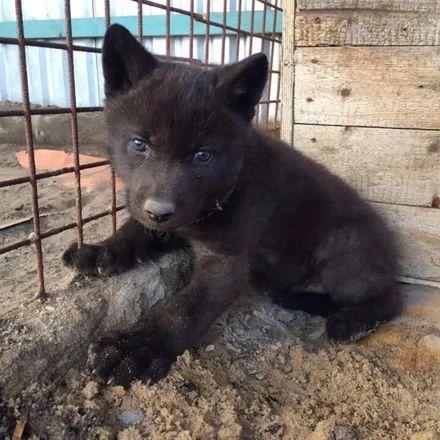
{"x": 219, "y": 204}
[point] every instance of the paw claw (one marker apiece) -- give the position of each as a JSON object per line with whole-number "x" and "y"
{"x": 157, "y": 370}
{"x": 126, "y": 372}
{"x": 344, "y": 328}
{"x": 96, "y": 259}
{"x": 129, "y": 357}
{"x": 106, "y": 360}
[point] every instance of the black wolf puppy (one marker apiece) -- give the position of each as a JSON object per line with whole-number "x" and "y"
{"x": 249, "y": 206}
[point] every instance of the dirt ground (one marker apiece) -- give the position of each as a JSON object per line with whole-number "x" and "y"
{"x": 261, "y": 373}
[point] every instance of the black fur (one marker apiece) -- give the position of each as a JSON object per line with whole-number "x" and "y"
{"x": 255, "y": 210}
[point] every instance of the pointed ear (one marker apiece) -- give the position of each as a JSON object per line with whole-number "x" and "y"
{"x": 124, "y": 60}
{"x": 243, "y": 83}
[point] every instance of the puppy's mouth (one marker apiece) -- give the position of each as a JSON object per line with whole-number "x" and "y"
{"x": 161, "y": 225}
{"x": 166, "y": 224}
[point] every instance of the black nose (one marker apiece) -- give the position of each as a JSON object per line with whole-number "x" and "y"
{"x": 158, "y": 210}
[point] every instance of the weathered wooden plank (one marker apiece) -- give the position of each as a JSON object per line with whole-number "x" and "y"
{"x": 368, "y": 86}
{"x": 419, "y": 237}
{"x": 375, "y": 5}
{"x": 358, "y": 28}
{"x": 384, "y": 165}
{"x": 288, "y": 73}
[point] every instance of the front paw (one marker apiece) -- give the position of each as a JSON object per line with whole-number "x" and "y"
{"x": 131, "y": 357}
{"x": 97, "y": 259}
{"x": 347, "y": 326}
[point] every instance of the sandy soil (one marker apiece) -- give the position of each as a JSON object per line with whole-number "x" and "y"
{"x": 262, "y": 372}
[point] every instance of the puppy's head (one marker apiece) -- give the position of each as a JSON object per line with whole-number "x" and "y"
{"x": 177, "y": 132}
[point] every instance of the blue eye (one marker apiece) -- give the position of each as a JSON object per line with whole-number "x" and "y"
{"x": 140, "y": 145}
{"x": 202, "y": 155}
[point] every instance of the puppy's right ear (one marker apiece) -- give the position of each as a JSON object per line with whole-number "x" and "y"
{"x": 124, "y": 60}
{"x": 242, "y": 83}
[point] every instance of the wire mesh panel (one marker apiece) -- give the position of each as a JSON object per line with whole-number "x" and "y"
{"x": 69, "y": 73}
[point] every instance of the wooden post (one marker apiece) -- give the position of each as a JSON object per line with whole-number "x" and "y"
{"x": 288, "y": 72}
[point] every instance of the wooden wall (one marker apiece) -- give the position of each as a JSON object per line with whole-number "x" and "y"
{"x": 361, "y": 95}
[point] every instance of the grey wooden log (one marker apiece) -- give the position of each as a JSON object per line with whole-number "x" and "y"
{"x": 44, "y": 339}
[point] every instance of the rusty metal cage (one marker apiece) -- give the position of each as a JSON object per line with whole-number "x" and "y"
{"x": 267, "y": 37}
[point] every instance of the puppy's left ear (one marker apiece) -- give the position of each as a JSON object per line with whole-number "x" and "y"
{"x": 124, "y": 60}
{"x": 242, "y": 83}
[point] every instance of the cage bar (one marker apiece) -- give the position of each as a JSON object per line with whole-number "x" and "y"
{"x": 168, "y": 28}
{"x": 225, "y": 7}
{"x": 58, "y": 230}
{"x": 271, "y": 5}
{"x": 140, "y": 22}
{"x": 74, "y": 121}
{"x": 237, "y": 53}
{"x": 30, "y": 148}
{"x": 208, "y": 15}
{"x": 77, "y": 48}
{"x": 112, "y": 170}
{"x": 191, "y": 31}
{"x": 47, "y": 174}
{"x": 48, "y": 111}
